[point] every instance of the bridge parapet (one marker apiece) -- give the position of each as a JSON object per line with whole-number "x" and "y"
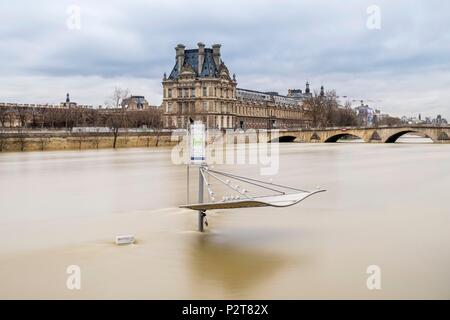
{"x": 379, "y": 134}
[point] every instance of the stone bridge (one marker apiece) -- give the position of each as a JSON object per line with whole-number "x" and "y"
{"x": 382, "y": 134}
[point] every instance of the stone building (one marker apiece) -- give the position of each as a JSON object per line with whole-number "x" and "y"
{"x": 68, "y": 103}
{"x": 135, "y": 103}
{"x": 365, "y": 114}
{"x": 200, "y": 87}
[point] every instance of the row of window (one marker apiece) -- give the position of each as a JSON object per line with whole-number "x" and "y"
{"x": 206, "y": 92}
{"x": 220, "y": 107}
{"x": 206, "y": 107}
{"x": 232, "y": 122}
{"x": 257, "y": 96}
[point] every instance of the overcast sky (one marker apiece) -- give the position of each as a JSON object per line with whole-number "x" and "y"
{"x": 403, "y": 67}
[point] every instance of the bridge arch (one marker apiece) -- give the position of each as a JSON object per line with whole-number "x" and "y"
{"x": 286, "y": 138}
{"x": 394, "y": 137}
{"x": 443, "y": 136}
{"x": 336, "y": 137}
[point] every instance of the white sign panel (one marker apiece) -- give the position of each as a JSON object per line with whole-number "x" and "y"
{"x": 125, "y": 239}
{"x": 197, "y": 143}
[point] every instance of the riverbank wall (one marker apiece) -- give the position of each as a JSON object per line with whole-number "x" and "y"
{"x": 80, "y": 141}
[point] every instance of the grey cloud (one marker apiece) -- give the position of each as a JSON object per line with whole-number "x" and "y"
{"x": 269, "y": 45}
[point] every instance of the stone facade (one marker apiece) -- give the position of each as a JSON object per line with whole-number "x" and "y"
{"x": 200, "y": 87}
{"x": 135, "y": 103}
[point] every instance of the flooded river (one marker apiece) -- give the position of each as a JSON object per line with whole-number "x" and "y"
{"x": 386, "y": 205}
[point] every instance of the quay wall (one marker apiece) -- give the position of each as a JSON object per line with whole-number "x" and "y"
{"x": 53, "y": 142}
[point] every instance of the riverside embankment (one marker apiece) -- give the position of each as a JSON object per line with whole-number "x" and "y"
{"x": 65, "y": 140}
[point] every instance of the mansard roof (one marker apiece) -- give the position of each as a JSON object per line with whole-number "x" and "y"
{"x": 191, "y": 58}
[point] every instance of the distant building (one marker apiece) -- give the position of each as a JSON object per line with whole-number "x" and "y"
{"x": 439, "y": 120}
{"x": 200, "y": 87}
{"x": 68, "y": 103}
{"x": 299, "y": 94}
{"x": 379, "y": 117}
{"x": 365, "y": 114}
{"x": 135, "y": 103}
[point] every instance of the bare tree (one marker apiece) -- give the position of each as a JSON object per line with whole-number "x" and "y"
{"x": 43, "y": 141}
{"x": 48, "y": 118}
{"x": 325, "y": 111}
{"x": 116, "y": 98}
{"x": 36, "y": 117}
{"x": 390, "y": 121}
{"x": 2, "y": 138}
{"x": 315, "y": 110}
{"x": 347, "y": 117}
{"x": 21, "y": 113}
{"x": 92, "y": 118}
{"x": 96, "y": 139}
{"x": 21, "y": 135}
{"x": 116, "y": 120}
{"x": 3, "y": 116}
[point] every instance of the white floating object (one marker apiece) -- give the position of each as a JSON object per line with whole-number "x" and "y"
{"x": 125, "y": 239}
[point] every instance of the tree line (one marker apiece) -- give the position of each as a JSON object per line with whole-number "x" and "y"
{"x": 68, "y": 118}
{"x": 324, "y": 110}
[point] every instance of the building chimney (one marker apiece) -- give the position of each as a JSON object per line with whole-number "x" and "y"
{"x": 180, "y": 56}
{"x": 216, "y": 54}
{"x": 201, "y": 56}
